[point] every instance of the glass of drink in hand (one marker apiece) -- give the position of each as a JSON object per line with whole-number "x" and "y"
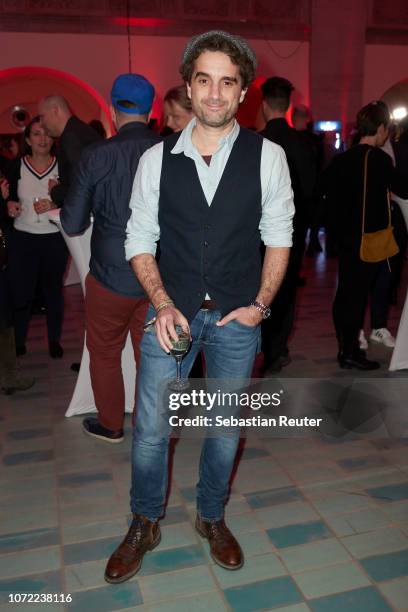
{"x": 35, "y": 204}
{"x": 180, "y": 348}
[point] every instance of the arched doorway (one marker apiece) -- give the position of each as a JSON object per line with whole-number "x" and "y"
{"x": 397, "y": 96}
{"x": 25, "y": 86}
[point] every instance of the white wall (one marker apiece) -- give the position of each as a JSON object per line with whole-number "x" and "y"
{"x": 384, "y": 66}
{"x": 98, "y": 59}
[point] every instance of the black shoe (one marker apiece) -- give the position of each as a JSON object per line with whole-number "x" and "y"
{"x": 37, "y": 309}
{"x": 275, "y": 366}
{"x": 17, "y": 383}
{"x": 92, "y": 427}
{"x": 75, "y": 367}
{"x": 21, "y": 350}
{"x": 356, "y": 360}
{"x": 55, "y": 350}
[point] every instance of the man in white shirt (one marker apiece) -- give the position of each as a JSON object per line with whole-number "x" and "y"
{"x": 210, "y": 194}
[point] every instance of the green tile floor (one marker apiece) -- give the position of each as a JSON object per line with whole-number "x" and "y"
{"x": 323, "y": 522}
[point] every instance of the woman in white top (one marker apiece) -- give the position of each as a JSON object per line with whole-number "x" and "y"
{"x": 37, "y": 252}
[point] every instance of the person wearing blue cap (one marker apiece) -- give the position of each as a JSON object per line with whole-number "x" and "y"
{"x": 211, "y": 193}
{"x": 115, "y": 303}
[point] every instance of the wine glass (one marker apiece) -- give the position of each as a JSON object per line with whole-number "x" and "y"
{"x": 55, "y": 178}
{"x": 36, "y": 201}
{"x": 180, "y": 348}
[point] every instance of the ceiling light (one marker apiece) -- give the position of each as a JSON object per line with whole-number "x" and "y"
{"x": 399, "y": 113}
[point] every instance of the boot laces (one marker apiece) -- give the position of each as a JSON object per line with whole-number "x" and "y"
{"x": 136, "y": 533}
{"x": 219, "y": 532}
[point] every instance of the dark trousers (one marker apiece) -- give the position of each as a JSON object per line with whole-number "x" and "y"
{"x": 389, "y": 274}
{"x": 43, "y": 258}
{"x": 109, "y": 318}
{"x": 277, "y": 328}
{"x": 381, "y": 295}
{"x": 5, "y": 301}
{"x": 355, "y": 279}
{"x": 401, "y": 236}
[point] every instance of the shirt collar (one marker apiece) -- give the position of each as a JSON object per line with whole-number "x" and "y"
{"x": 185, "y": 145}
{"x": 130, "y": 125}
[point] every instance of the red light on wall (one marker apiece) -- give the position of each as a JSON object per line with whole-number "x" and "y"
{"x": 141, "y": 22}
{"x": 34, "y": 72}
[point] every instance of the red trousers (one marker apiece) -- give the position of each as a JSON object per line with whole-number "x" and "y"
{"x": 109, "y": 318}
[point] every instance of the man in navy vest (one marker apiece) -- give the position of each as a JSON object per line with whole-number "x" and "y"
{"x": 211, "y": 194}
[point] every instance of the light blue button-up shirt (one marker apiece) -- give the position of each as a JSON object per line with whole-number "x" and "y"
{"x": 143, "y": 230}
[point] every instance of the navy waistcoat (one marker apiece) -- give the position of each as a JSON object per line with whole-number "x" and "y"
{"x": 211, "y": 249}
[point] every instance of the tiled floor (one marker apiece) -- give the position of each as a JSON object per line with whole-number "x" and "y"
{"x": 323, "y": 522}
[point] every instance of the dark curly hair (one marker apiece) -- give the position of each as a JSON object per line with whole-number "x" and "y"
{"x": 236, "y": 48}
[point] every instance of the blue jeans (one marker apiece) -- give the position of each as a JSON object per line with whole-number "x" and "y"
{"x": 225, "y": 358}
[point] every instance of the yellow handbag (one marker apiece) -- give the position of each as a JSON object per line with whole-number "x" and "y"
{"x": 376, "y": 246}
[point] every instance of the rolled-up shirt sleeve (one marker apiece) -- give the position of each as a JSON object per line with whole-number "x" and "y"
{"x": 143, "y": 231}
{"x": 276, "y": 223}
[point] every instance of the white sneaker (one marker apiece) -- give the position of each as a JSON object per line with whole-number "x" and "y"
{"x": 383, "y": 336}
{"x": 362, "y": 340}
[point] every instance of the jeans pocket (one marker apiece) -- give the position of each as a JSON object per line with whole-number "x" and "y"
{"x": 249, "y": 330}
{"x": 242, "y": 325}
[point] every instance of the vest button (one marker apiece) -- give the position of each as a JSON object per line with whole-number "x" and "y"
{"x": 205, "y": 277}
{"x": 205, "y": 243}
{"x": 207, "y": 227}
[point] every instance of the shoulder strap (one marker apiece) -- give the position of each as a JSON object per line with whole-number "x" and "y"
{"x": 389, "y": 207}
{"x": 365, "y": 196}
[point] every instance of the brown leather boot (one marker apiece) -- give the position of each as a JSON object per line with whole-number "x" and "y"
{"x": 125, "y": 562}
{"x": 224, "y": 548}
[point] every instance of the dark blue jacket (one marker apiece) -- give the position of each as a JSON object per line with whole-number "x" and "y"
{"x": 102, "y": 185}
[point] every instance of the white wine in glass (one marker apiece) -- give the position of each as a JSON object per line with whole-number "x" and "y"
{"x": 180, "y": 348}
{"x": 36, "y": 201}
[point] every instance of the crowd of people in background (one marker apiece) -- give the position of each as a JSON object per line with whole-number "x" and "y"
{"x": 37, "y": 169}
{"x": 198, "y": 232}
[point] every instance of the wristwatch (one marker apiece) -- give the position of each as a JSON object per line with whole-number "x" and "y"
{"x": 264, "y": 310}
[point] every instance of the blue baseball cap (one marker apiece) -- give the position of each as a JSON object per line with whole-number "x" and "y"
{"x": 132, "y": 88}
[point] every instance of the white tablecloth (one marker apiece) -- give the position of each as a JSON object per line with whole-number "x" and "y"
{"x": 71, "y": 273}
{"x": 403, "y": 204}
{"x": 399, "y": 359}
{"x": 83, "y": 399}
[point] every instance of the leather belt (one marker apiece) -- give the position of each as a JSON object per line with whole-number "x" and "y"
{"x": 208, "y": 305}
